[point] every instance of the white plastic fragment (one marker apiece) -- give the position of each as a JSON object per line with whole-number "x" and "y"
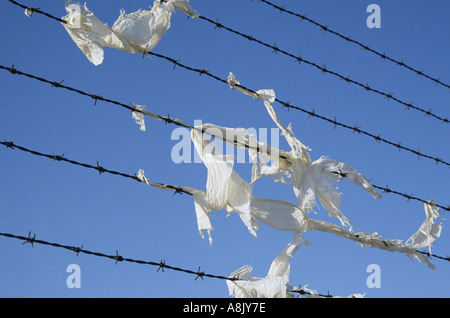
{"x": 138, "y": 31}
{"x": 225, "y": 189}
{"x": 330, "y": 166}
{"x": 184, "y": 6}
{"x": 429, "y": 231}
{"x": 424, "y": 237}
{"x": 202, "y": 214}
{"x": 139, "y": 116}
{"x": 280, "y": 215}
{"x": 298, "y": 150}
{"x": 234, "y": 84}
{"x": 274, "y": 285}
{"x": 29, "y": 12}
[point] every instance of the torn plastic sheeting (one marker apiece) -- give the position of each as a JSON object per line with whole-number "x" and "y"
{"x": 202, "y": 214}
{"x": 262, "y": 169}
{"x": 225, "y": 189}
{"x": 139, "y": 117}
{"x": 330, "y": 166}
{"x": 429, "y": 231}
{"x": 241, "y": 137}
{"x": 138, "y": 31}
{"x": 425, "y": 236}
{"x": 280, "y": 215}
{"x": 274, "y": 285}
{"x": 268, "y": 96}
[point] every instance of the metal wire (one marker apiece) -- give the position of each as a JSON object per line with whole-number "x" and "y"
{"x": 297, "y": 58}
{"x": 177, "y": 189}
{"x": 167, "y": 119}
{"x": 323, "y": 69}
{"x": 310, "y": 113}
{"x": 98, "y": 167}
{"x": 354, "y": 128}
{"x": 348, "y": 39}
{"x": 31, "y": 239}
{"x": 161, "y": 265}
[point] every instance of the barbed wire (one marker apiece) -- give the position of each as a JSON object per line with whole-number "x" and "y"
{"x": 31, "y": 239}
{"x": 167, "y": 119}
{"x": 31, "y": 11}
{"x": 326, "y": 28}
{"x": 311, "y": 113}
{"x": 296, "y": 58}
{"x": 161, "y": 265}
{"x": 323, "y": 69}
{"x": 354, "y": 128}
{"x": 179, "y": 189}
{"x": 98, "y": 167}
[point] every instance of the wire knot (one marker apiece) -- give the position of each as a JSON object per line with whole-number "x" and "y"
{"x": 8, "y": 144}
{"x": 58, "y": 157}
{"x": 99, "y": 168}
{"x": 162, "y": 264}
{"x": 118, "y": 258}
{"x": 199, "y": 274}
{"x": 30, "y": 239}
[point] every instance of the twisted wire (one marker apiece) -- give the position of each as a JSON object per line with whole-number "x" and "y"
{"x": 348, "y": 39}
{"x": 178, "y": 189}
{"x": 298, "y": 59}
{"x": 323, "y": 69}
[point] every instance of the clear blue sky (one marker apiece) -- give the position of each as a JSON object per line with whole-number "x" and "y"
{"x": 75, "y": 206}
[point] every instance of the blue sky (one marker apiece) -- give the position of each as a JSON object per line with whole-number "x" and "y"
{"x": 75, "y": 206}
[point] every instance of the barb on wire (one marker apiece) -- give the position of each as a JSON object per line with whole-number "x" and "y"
{"x": 176, "y": 189}
{"x": 97, "y": 167}
{"x": 365, "y": 47}
{"x": 325, "y": 70}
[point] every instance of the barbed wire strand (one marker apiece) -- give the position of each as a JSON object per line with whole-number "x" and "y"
{"x": 323, "y": 69}
{"x": 348, "y": 39}
{"x": 311, "y": 113}
{"x": 161, "y": 265}
{"x": 98, "y": 167}
{"x": 298, "y": 59}
{"x": 180, "y": 189}
{"x": 167, "y": 119}
{"x": 32, "y": 10}
{"x": 31, "y": 239}
{"x": 355, "y": 128}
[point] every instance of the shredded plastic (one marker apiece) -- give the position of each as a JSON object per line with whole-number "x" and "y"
{"x": 138, "y": 31}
